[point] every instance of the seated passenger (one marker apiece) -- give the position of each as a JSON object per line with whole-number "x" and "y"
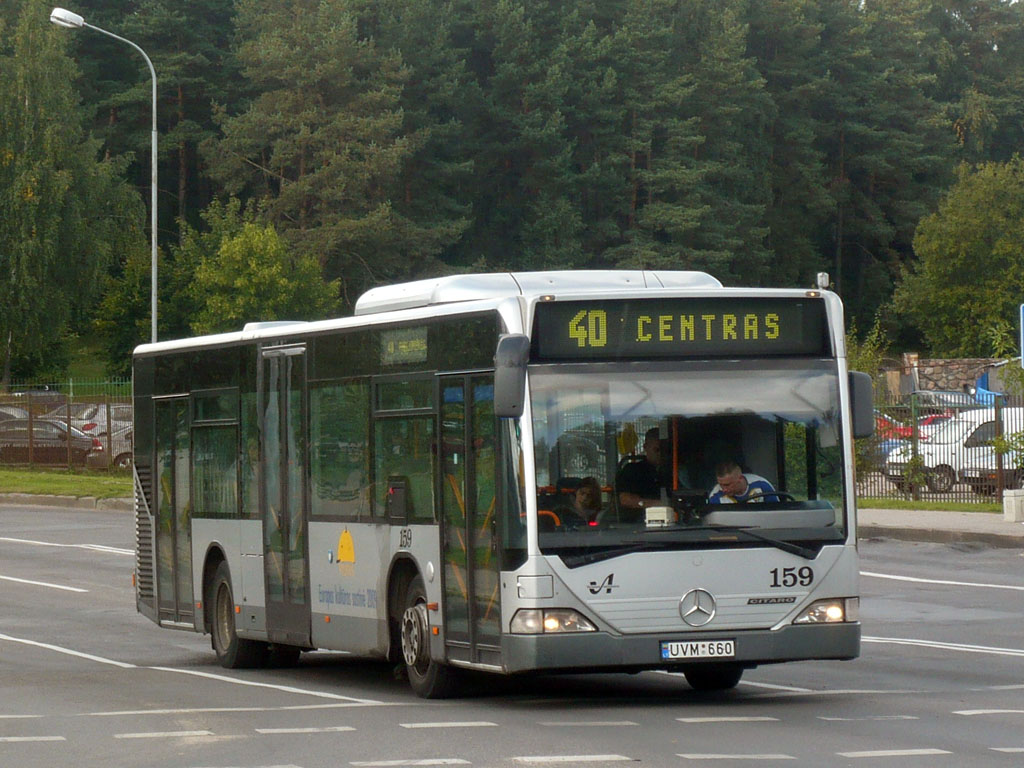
{"x": 735, "y": 486}
{"x": 586, "y": 500}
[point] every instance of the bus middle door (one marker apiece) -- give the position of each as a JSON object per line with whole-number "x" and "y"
{"x": 283, "y": 493}
{"x": 469, "y": 536}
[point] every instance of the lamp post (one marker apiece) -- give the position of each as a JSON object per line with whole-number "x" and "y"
{"x": 69, "y": 20}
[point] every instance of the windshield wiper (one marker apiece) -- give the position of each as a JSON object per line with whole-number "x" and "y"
{"x": 575, "y": 561}
{"x": 786, "y": 546}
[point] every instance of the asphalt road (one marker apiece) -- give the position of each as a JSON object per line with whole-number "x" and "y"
{"x": 86, "y": 681}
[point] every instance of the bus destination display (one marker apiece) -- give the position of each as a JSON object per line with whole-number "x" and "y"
{"x": 679, "y": 327}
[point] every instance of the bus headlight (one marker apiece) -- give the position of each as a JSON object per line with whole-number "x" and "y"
{"x": 536, "y": 621}
{"x": 830, "y": 611}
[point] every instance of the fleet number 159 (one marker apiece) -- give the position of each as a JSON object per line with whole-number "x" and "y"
{"x": 790, "y": 577}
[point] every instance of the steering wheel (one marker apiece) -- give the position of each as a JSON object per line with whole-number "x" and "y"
{"x": 779, "y": 495}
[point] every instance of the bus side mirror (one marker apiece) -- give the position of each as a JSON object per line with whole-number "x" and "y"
{"x": 510, "y": 375}
{"x": 862, "y": 404}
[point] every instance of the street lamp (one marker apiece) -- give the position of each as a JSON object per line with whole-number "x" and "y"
{"x": 69, "y": 20}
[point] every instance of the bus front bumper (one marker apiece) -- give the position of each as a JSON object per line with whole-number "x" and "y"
{"x": 601, "y": 651}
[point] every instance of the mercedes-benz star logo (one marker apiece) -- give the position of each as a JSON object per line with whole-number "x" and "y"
{"x": 697, "y": 607}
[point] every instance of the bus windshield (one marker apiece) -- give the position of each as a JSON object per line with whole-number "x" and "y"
{"x": 599, "y": 429}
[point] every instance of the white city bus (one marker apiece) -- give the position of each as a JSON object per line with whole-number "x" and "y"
{"x": 398, "y": 484}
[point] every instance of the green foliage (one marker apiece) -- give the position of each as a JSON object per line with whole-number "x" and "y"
{"x": 66, "y": 213}
{"x": 254, "y": 276}
{"x": 970, "y": 274}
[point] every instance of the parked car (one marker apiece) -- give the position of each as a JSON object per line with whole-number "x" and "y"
{"x": 962, "y": 449}
{"x": 943, "y": 398}
{"x": 92, "y": 417}
{"x": 49, "y": 442}
{"x": 12, "y": 412}
{"x": 118, "y": 447}
{"x": 888, "y": 428}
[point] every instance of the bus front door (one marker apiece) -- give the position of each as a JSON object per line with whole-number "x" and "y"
{"x": 469, "y": 531}
{"x": 283, "y": 494}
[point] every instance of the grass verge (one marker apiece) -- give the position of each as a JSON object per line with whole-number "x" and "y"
{"x": 64, "y": 482}
{"x": 952, "y": 506}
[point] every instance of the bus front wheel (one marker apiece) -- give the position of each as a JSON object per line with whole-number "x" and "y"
{"x": 232, "y": 651}
{"x": 713, "y": 677}
{"x": 428, "y": 678}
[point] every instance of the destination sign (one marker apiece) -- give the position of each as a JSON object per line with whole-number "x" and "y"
{"x": 622, "y": 329}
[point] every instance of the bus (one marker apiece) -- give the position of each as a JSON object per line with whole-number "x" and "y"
{"x": 399, "y": 484}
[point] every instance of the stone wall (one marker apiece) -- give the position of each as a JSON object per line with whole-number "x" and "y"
{"x": 936, "y": 373}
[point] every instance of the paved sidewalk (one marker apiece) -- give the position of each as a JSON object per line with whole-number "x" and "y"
{"x": 988, "y": 528}
{"x": 67, "y": 502}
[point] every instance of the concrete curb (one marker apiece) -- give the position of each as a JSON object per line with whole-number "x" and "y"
{"x": 940, "y": 536}
{"x": 68, "y": 502}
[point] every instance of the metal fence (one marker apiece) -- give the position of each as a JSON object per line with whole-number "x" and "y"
{"x": 938, "y": 447}
{"x": 71, "y": 423}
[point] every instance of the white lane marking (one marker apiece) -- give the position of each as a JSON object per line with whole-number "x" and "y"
{"x": 208, "y": 675}
{"x": 963, "y": 647}
{"x": 42, "y": 584}
{"x": 735, "y": 757}
{"x": 204, "y": 710}
{"x": 587, "y": 723}
{"x": 736, "y": 719}
{"x": 1007, "y": 749}
{"x": 20, "y": 717}
{"x": 972, "y": 712}
{"x": 867, "y": 719}
{"x": 549, "y": 759}
{"x": 162, "y": 734}
{"x": 68, "y": 651}
{"x": 428, "y": 761}
{"x": 92, "y": 547}
{"x": 895, "y": 753}
{"x": 463, "y": 724}
{"x": 10, "y": 739}
{"x": 325, "y": 729}
{"x": 943, "y": 582}
{"x": 1004, "y": 687}
{"x": 254, "y": 684}
{"x": 773, "y": 687}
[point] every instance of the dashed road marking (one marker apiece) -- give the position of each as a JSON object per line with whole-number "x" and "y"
{"x": 324, "y": 729}
{"x": 453, "y": 724}
{"x": 427, "y": 761}
{"x": 972, "y": 712}
{"x": 895, "y": 753}
{"x": 870, "y": 718}
{"x": 712, "y": 756}
{"x": 18, "y": 739}
{"x": 587, "y": 723}
{"x": 736, "y": 719}
{"x": 162, "y": 734}
{"x": 552, "y": 759}
{"x": 1011, "y": 750}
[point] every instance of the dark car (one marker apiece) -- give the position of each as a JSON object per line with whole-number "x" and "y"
{"x": 49, "y": 442}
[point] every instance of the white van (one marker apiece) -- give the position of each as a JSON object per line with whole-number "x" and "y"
{"x": 961, "y": 449}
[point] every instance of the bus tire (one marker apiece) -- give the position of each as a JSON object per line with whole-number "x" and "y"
{"x": 713, "y": 677}
{"x": 233, "y": 652}
{"x": 428, "y": 678}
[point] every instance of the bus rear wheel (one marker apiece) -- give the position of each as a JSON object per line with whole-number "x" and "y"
{"x": 429, "y": 679}
{"x": 713, "y": 677}
{"x": 233, "y": 652}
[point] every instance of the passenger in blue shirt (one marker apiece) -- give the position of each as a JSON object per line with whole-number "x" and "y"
{"x": 735, "y": 486}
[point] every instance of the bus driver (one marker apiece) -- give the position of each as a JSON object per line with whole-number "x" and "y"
{"x": 735, "y": 486}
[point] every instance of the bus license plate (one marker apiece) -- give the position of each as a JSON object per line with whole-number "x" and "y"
{"x": 701, "y": 649}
